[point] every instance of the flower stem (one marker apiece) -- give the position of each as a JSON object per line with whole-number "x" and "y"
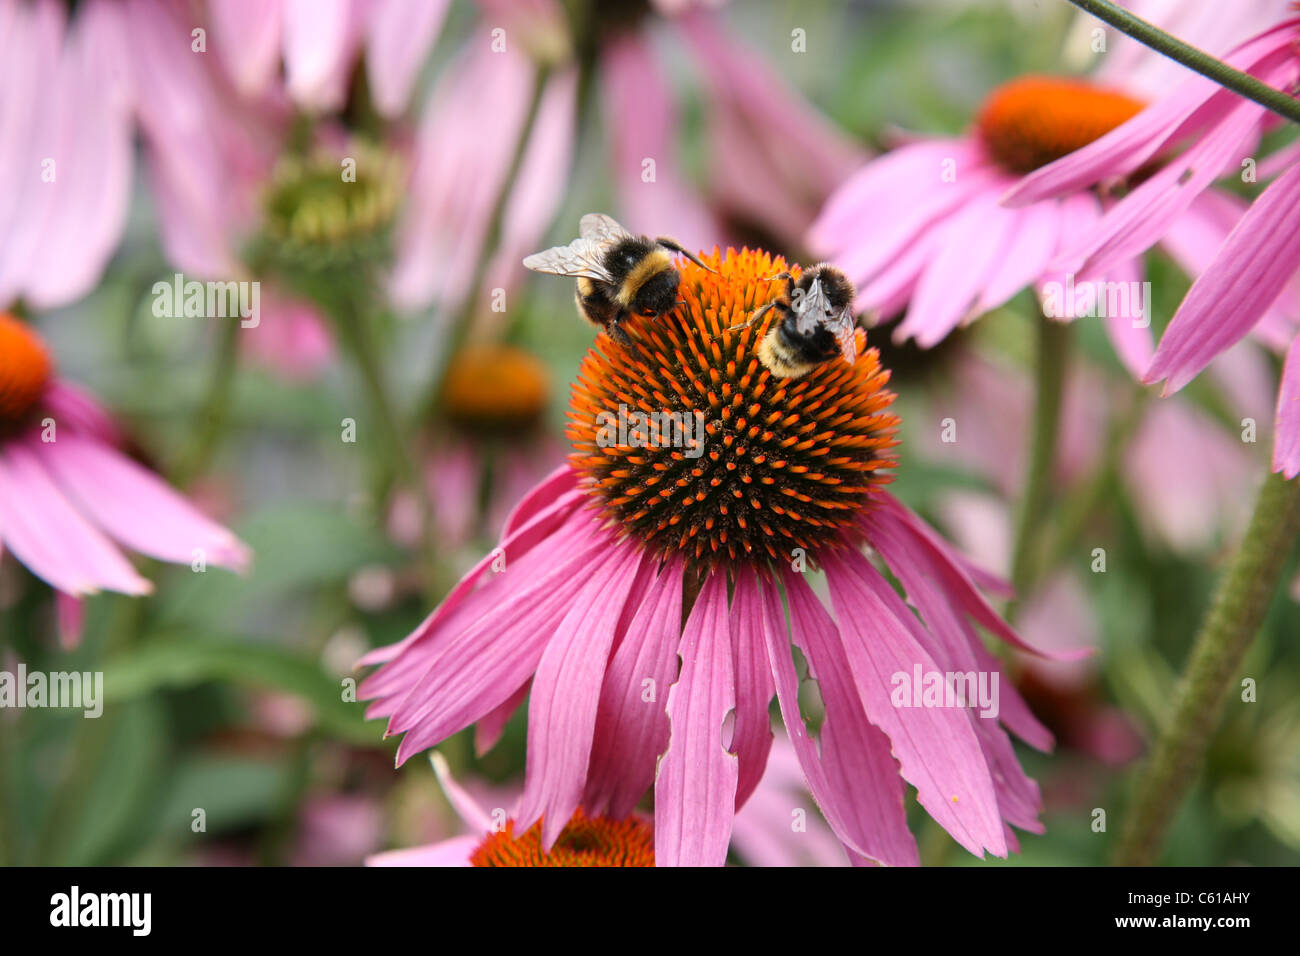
{"x": 215, "y": 410}
{"x": 1192, "y": 58}
{"x": 1053, "y": 349}
{"x": 1243, "y": 598}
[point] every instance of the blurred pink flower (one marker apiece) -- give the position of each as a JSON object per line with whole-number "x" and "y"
{"x": 65, "y": 490}
{"x": 653, "y": 196}
{"x": 65, "y": 147}
{"x": 458, "y": 175}
{"x": 774, "y": 158}
{"x": 319, "y": 42}
{"x": 336, "y": 830}
{"x": 1255, "y": 267}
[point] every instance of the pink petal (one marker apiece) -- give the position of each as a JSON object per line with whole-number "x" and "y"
{"x": 320, "y": 37}
{"x": 1258, "y": 258}
{"x": 956, "y": 579}
{"x": 566, "y": 693}
{"x": 1142, "y": 217}
{"x": 752, "y": 735}
{"x": 642, "y": 123}
{"x": 518, "y": 542}
{"x": 1286, "y": 437}
{"x": 136, "y": 507}
{"x": 856, "y": 754}
{"x": 481, "y": 666}
{"x": 631, "y": 731}
{"x": 695, "y": 790}
{"x": 246, "y": 36}
{"x": 954, "y": 644}
{"x": 50, "y": 536}
{"x": 488, "y": 731}
{"x": 467, "y": 808}
{"x": 972, "y": 245}
{"x": 453, "y": 852}
{"x": 399, "y": 36}
{"x": 937, "y": 747}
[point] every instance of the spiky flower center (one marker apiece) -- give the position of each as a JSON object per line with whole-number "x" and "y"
{"x": 495, "y": 388}
{"x": 692, "y": 446}
{"x": 1035, "y": 120}
{"x": 25, "y": 370}
{"x": 586, "y": 841}
{"x": 332, "y": 207}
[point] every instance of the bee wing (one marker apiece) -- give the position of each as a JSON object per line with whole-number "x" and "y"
{"x": 812, "y": 309}
{"x": 581, "y": 257}
{"x": 596, "y": 225}
{"x": 844, "y": 330}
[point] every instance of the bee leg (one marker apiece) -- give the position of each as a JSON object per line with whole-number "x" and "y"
{"x": 753, "y": 319}
{"x": 615, "y": 331}
{"x": 675, "y": 246}
{"x": 778, "y": 277}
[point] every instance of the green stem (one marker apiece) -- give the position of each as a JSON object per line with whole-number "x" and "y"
{"x": 214, "y": 412}
{"x": 1192, "y": 58}
{"x": 1053, "y": 349}
{"x": 1243, "y": 598}
{"x": 355, "y": 327}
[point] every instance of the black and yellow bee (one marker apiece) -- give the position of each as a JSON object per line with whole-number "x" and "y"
{"x": 815, "y": 322}
{"x": 619, "y": 274}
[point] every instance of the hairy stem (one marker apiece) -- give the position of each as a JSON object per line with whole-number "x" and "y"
{"x": 1242, "y": 600}
{"x": 1053, "y": 349}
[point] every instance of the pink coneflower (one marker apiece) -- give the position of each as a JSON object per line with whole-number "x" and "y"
{"x": 642, "y": 551}
{"x": 1257, "y": 262}
{"x": 65, "y": 490}
{"x": 496, "y": 840}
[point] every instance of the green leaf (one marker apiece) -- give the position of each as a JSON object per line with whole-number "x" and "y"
{"x": 181, "y": 661}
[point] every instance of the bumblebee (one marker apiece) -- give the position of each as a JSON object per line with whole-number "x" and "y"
{"x": 619, "y": 274}
{"x": 815, "y": 322}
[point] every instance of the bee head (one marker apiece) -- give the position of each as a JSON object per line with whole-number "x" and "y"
{"x": 657, "y": 295}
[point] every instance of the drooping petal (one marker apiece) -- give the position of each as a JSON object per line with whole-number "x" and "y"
{"x": 937, "y": 747}
{"x": 752, "y": 734}
{"x": 566, "y": 693}
{"x": 51, "y": 537}
{"x": 137, "y": 508}
{"x": 695, "y": 790}
{"x": 632, "y": 722}
{"x": 856, "y": 754}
